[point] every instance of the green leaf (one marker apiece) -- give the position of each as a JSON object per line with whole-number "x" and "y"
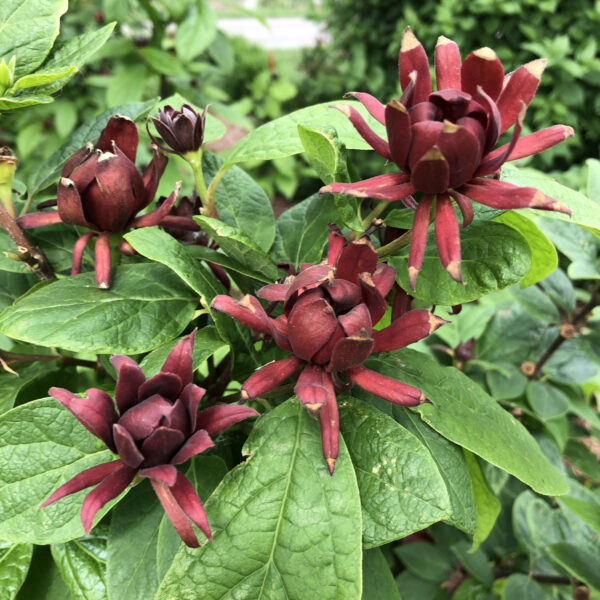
{"x": 82, "y": 565}
{"x": 12, "y": 285}
{"x": 196, "y": 32}
{"x": 280, "y": 137}
{"x": 43, "y": 78}
{"x": 241, "y": 202}
{"x": 301, "y": 231}
{"x": 461, "y": 411}
{"x": 11, "y": 385}
{"x": 7, "y": 104}
{"x": 535, "y": 302}
{"x": 558, "y": 286}
{"x": 378, "y": 581}
{"x": 494, "y": 257}
{"x": 474, "y": 562}
{"x": 236, "y": 244}
{"x": 28, "y": 30}
{"x": 411, "y": 586}
{"x": 206, "y": 343}
{"x": 48, "y": 171}
{"x": 580, "y": 561}
{"x": 521, "y": 587}
{"x": 400, "y": 493}
{"x": 14, "y": 564}
{"x": 487, "y": 506}
{"x": 546, "y": 400}
{"x": 127, "y": 84}
{"x": 44, "y": 581}
{"x": 583, "y": 458}
{"x": 325, "y": 153}
{"x": 507, "y": 383}
{"x": 584, "y": 212}
{"x": 146, "y": 305}
{"x": 544, "y": 258}
{"x": 8, "y": 264}
{"x": 451, "y": 465}
{"x": 470, "y": 589}
{"x": 282, "y": 526}
{"x": 45, "y": 446}
{"x": 163, "y": 62}
{"x": 157, "y": 245}
{"x": 427, "y": 561}
{"x": 587, "y": 511}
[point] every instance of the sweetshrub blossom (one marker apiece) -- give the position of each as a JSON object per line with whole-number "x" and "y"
{"x": 102, "y": 190}
{"x": 443, "y": 142}
{"x": 327, "y": 326}
{"x": 181, "y": 130}
{"x": 155, "y": 427}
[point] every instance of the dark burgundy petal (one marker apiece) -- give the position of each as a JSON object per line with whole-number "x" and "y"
{"x": 166, "y": 474}
{"x": 425, "y": 137}
{"x": 130, "y": 378}
{"x": 83, "y": 480}
{"x": 78, "y": 250}
{"x": 535, "y": 142}
{"x": 452, "y": 105}
{"x": 356, "y": 319}
{"x": 185, "y": 494}
{"x": 76, "y": 159}
{"x": 408, "y": 93}
{"x": 401, "y": 305}
{"x": 494, "y": 121}
{"x": 414, "y": 58}
{"x": 424, "y": 111}
{"x": 311, "y": 323}
{"x": 336, "y": 244}
{"x": 312, "y": 277}
{"x": 361, "y": 187}
{"x": 431, "y": 174}
{"x": 419, "y": 239}
{"x": 191, "y": 396}
{"x": 389, "y": 193}
{"x": 123, "y": 132}
{"x": 504, "y": 195}
{"x": 102, "y": 260}
{"x": 157, "y": 216}
{"x": 520, "y": 87}
{"x": 447, "y": 64}
{"x": 323, "y": 356}
{"x": 465, "y": 205}
{"x": 376, "y": 142}
{"x": 179, "y": 360}
{"x": 314, "y": 388}
{"x": 373, "y": 106}
{"x": 160, "y": 446}
{"x": 167, "y": 385}
{"x": 384, "y": 277}
{"x": 267, "y": 378}
{"x": 408, "y": 328}
{"x": 462, "y": 150}
{"x": 127, "y": 449}
{"x": 330, "y": 433}
{"x": 178, "y": 418}
{"x": 373, "y": 299}
{"x": 151, "y": 177}
{"x": 164, "y": 131}
{"x": 175, "y": 513}
{"x": 183, "y": 128}
{"x": 222, "y": 416}
{"x": 39, "y": 219}
{"x": 199, "y": 442}
{"x": 137, "y": 184}
{"x": 447, "y": 237}
{"x": 385, "y": 387}
{"x": 96, "y": 412}
{"x": 84, "y": 173}
{"x": 274, "y": 292}
{"x": 483, "y": 68}
{"x": 351, "y": 351}
{"x": 141, "y": 420}
{"x": 343, "y": 294}
{"x": 69, "y": 204}
{"x": 109, "y": 488}
{"x": 357, "y": 257}
{"x": 397, "y": 123}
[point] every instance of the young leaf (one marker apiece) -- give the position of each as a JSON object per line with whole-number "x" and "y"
{"x": 378, "y": 581}
{"x": 14, "y": 564}
{"x": 580, "y": 561}
{"x": 146, "y": 305}
{"x": 400, "y": 493}
{"x": 494, "y": 257}
{"x": 196, "y": 31}
{"x": 522, "y": 587}
{"x": 282, "y": 526}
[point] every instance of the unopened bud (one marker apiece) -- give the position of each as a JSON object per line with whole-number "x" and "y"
{"x": 7, "y": 74}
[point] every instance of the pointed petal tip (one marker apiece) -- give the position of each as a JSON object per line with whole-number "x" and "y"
{"x": 568, "y": 132}
{"x": 343, "y": 108}
{"x": 398, "y": 106}
{"x": 485, "y": 53}
{"x": 443, "y": 40}
{"x": 314, "y": 409}
{"x": 453, "y": 269}
{"x": 244, "y": 396}
{"x": 409, "y": 40}
{"x": 436, "y": 322}
{"x": 536, "y": 67}
{"x": 330, "y": 465}
{"x": 326, "y": 189}
{"x": 413, "y": 273}
{"x": 424, "y": 400}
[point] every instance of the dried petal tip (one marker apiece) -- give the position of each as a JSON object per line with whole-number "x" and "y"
{"x": 436, "y": 322}
{"x": 314, "y": 409}
{"x": 413, "y": 273}
{"x": 409, "y": 40}
{"x": 536, "y": 67}
{"x": 443, "y": 40}
{"x": 424, "y": 400}
{"x": 485, "y": 53}
{"x": 569, "y": 132}
{"x": 244, "y": 396}
{"x": 330, "y": 465}
{"x": 453, "y": 270}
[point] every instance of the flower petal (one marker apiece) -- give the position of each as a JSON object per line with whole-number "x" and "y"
{"x": 397, "y": 124}
{"x": 130, "y": 378}
{"x": 151, "y": 177}
{"x": 69, "y": 204}
{"x": 462, "y": 149}
{"x": 39, "y": 219}
{"x": 274, "y": 292}
{"x": 187, "y": 497}
{"x": 179, "y": 360}
{"x": 312, "y": 277}
{"x": 160, "y": 446}
{"x": 77, "y": 158}
{"x": 167, "y": 385}
{"x": 102, "y": 261}
{"x": 351, "y": 351}
{"x": 373, "y": 106}
{"x": 156, "y": 216}
{"x": 357, "y": 257}
{"x": 123, "y": 132}
{"x": 465, "y": 205}
{"x": 314, "y": 388}
{"x": 385, "y": 387}
{"x": 330, "y": 433}
{"x": 356, "y": 319}
{"x": 127, "y": 449}
{"x": 419, "y": 239}
{"x": 336, "y": 243}
{"x": 431, "y": 174}
{"x": 483, "y": 68}
{"x": 447, "y": 64}
{"x": 191, "y": 397}
{"x": 414, "y": 58}
{"x": 384, "y": 277}
{"x": 343, "y": 294}
{"x": 166, "y": 474}
{"x": 199, "y": 442}
{"x": 141, "y": 419}
{"x": 215, "y": 419}
{"x": 447, "y": 237}
{"x": 267, "y": 378}
{"x": 244, "y": 311}
{"x": 373, "y": 299}
{"x": 78, "y": 250}
{"x": 95, "y": 412}
{"x": 407, "y": 329}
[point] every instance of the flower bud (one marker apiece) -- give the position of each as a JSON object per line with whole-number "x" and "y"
{"x": 181, "y": 130}
{"x": 7, "y": 74}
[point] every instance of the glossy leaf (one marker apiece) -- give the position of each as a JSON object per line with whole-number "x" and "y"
{"x": 14, "y": 564}
{"x": 378, "y": 581}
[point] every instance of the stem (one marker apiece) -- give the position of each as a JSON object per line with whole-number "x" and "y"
{"x": 13, "y": 358}
{"x": 374, "y": 213}
{"x": 195, "y": 161}
{"x": 26, "y": 251}
{"x": 394, "y": 245}
{"x": 212, "y": 188}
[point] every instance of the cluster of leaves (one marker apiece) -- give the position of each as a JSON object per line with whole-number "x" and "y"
{"x": 491, "y": 491}
{"x": 366, "y": 38}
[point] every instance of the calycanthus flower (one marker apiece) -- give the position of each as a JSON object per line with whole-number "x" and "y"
{"x": 181, "y": 130}
{"x": 155, "y": 427}
{"x": 443, "y": 142}
{"x": 327, "y": 326}
{"x": 102, "y": 190}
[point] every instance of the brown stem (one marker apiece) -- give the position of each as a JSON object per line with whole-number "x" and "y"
{"x": 26, "y": 251}
{"x": 13, "y": 358}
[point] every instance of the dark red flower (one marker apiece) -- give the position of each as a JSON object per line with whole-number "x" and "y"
{"x": 101, "y": 189}
{"x": 181, "y": 130}
{"x": 443, "y": 142}
{"x": 329, "y": 311}
{"x": 156, "y": 426}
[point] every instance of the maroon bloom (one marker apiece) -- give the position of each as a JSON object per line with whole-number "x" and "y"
{"x": 327, "y": 326}
{"x": 181, "y": 130}
{"x": 156, "y": 426}
{"x": 101, "y": 189}
{"x": 443, "y": 142}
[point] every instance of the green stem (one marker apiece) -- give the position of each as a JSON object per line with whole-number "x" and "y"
{"x": 394, "y": 245}
{"x": 212, "y": 188}
{"x": 366, "y": 222}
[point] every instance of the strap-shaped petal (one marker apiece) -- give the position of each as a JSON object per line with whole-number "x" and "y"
{"x": 179, "y": 360}
{"x": 447, "y": 237}
{"x": 373, "y": 106}
{"x": 167, "y": 385}
{"x": 330, "y": 432}
{"x": 199, "y": 442}
{"x": 413, "y": 57}
{"x": 431, "y": 174}
{"x": 161, "y": 445}
{"x": 215, "y": 419}
{"x": 126, "y": 447}
{"x": 465, "y": 205}
{"x": 130, "y": 378}
{"x": 483, "y": 68}
{"x": 267, "y": 378}
{"x": 397, "y": 124}
{"x": 102, "y": 260}
{"x": 419, "y": 239}
{"x": 78, "y": 250}
{"x": 356, "y": 319}
{"x": 39, "y": 219}
{"x": 373, "y": 299}
{"x": 123, "y": 132}
{"x": 385, "y": 387}
{"x": 69, "y": 204}
{"x": 185, "y": 494}
{"x": 156, "y": 216}
{"x": 314, "y": 388}
{"x": 191, "y": 397}
{"x": 357, "y": 257}
{"x": 351, "y": 351}
{"x": 166, "y": 474}
{"x": 447, "y": 64}
{"x": 407, "y": 329}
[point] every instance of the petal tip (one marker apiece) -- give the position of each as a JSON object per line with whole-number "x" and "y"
{"x": 485, "y": 53}
{"x": 536, "y": 67}
{"x": 314, "y": 408}
{"x": 436, "y": 322}
{"x": 409, "y": 40}
{"x": 453, "y": 269}
{"x": 330, "y": 465}
{"x": 413, "y": 273}
{"x": 443, "y": 40}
